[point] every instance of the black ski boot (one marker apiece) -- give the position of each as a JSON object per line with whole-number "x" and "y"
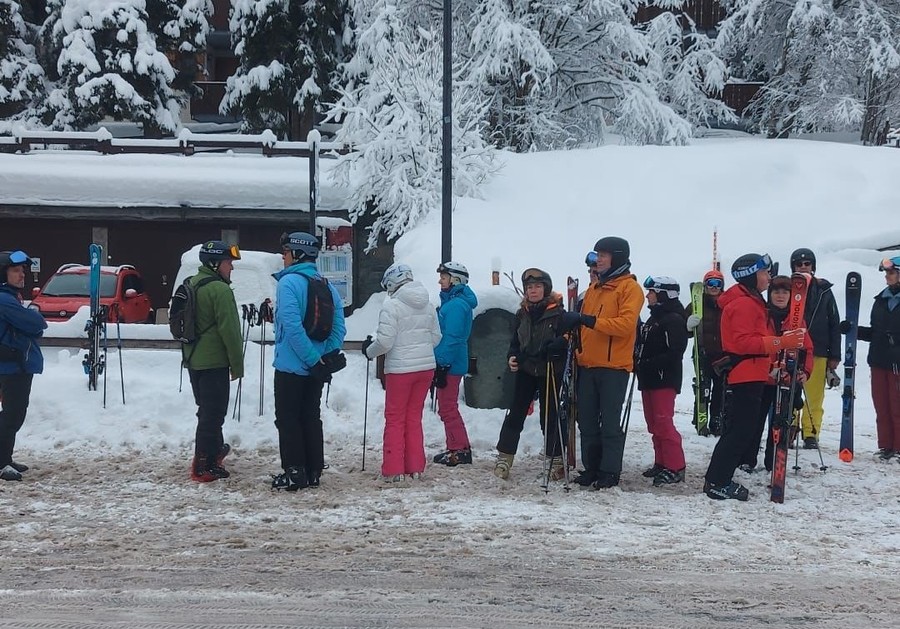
{"x": 313, "y": 476}
{"x": 293, "y": 479}
{"x": 650, "y": 472}
{"x": 8, "y": 472}
{"x": 585, "y": 478}
{"x": 224, "y": 451}
{"x": 452, "y": 458}
{"x": 668, "y": 477}
{"x": 605, "y": 480}
{"x": 732, "y": 490}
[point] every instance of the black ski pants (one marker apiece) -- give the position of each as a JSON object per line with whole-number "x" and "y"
{"x": 211, "y": 388}
{"x": 16, "y": 394}
{"x": 601, "y": 394}
{"x": 751, "y": 454}
{"x": 526, "y": 385}
{"x": 745, "y": 404}
{"x": 298, "y": 418}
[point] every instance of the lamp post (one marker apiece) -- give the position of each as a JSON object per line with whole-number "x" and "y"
{"x": 447, "y": 147}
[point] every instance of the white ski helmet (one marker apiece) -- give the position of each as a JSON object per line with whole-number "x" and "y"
{"x": 396, "y": 276}
{"x": 663, "y": 284}
{"x": 458, "y": 273}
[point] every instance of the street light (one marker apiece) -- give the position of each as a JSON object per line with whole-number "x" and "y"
{"x": 447, "y": 148}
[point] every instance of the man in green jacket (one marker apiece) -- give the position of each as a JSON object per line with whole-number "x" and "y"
{"x": 215, "y": 358}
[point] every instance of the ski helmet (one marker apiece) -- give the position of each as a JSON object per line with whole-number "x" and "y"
{"x": 617, "y": 247}
{"x": 396, "y": 276}
{"x": 718, "y": 280}
{"x": 664, "y": 286}
{"x": 890, "y": 264}
{"x": 803, "y": 255}
{"x": 458, "y": 273}
{"x": 212, "y": 252}
{"x": 300, "y": 244}
{"x": 537, "y": 276}
{"x": 13, "y": 258}
{"x": 745, "y": 268}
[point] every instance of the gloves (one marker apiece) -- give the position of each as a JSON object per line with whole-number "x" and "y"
{"x": 832, "y": 379}
{"x": 693, "y": 322}
{"x": 844, "y": 326}
{"x": 366, "y": 345}
{"x": 320, "y": 372}
{"x": 334, "y": 361}
{"x": 556, "y": 347}
{"x": 569, "y": 321}
{"x": 792, "y": 339}
{"x": 440, "y": 376}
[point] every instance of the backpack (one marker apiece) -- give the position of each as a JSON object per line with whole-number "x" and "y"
{"x": 319, "y": 318}
{"x": 183, "y": 311}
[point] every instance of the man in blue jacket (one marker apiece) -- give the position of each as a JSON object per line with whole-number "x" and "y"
{"x": 452, "y": 359}
{"x": 20, "y": 356}
{"x": 307, "y": 352}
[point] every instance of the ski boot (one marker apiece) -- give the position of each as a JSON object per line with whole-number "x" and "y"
{"x": 732, "y": 490}
{"x": 452, "y": 458}
{"x": 504, "y": 462}
{"x": 207, "y": 473}
{"x": 651, "y": 472}
{"x": 292, "y": 479}
{"x": 8, "y": 472}
{"x": 668, "y": 477}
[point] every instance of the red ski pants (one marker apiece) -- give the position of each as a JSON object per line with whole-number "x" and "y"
{"x": 659, "y": 411}
{"x": 404, "y": 441}
{"x": 448, "y": 409}
{"x": 886, "y": 398}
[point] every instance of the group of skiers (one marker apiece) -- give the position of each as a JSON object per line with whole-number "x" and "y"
{"x": 428, "y": 351}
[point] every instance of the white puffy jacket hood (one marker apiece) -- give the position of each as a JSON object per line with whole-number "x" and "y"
{"x": 408, "y": 331}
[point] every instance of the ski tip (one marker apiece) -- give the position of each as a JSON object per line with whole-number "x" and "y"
{"x": 845, "y": 455}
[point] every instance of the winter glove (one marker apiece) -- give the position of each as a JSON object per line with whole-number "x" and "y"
{"x": 570, "y": 320}
{"x": 693, "y": 322}
{"x": 334, "y": 361}
{"x": 832, "y": 379}
{"x": 792, "y": 339}
{"x": 844, "y": 326}
{"x": 320, "y": 372}
{"x": 366, "y": 345}
{"x": 556, "y": 347}
{"x": 440, "y": 376}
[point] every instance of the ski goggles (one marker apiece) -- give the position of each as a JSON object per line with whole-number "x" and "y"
{"x": 890, "y": 264}
{"x": 591, "y": 259}
{"x": 231, "y": 251}
{"x": 658, "y": 285}
{"x": 715, "y": 282}
{"x": 19, "y": 257}
{"x": 534, "y": 276}
{"x": 764, "y": 262}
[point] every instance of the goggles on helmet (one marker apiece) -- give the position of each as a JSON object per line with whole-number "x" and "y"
{"x": 231, "y": 251}
{"x": 890, "y": 264}
{"x": 715, "y": 282}
{"x": 764, "y": 262}
{"x": 19, "y": 257}
{"x": 591, "y": 258}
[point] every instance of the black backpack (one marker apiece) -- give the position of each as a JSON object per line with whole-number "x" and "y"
{"x": 183, "y": 311}
{"x": 319, "y": 318}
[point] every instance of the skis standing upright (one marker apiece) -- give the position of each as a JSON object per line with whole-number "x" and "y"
{"x": 567, "y": 390}
{"x": 702, "y": 382}
{"x": 786, "y": 384}
{"x": 93, "y": 361}
{"x": 853, "y": 291}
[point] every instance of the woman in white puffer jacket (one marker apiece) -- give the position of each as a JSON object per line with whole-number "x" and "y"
{"x": 408, "y": 331}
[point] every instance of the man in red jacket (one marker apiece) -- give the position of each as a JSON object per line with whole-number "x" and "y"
{"x": 749, "y": 337}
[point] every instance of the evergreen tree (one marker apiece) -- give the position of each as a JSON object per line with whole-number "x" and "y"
{"x": 109, "y": 65}
{"x": 21, "y": 78}
{"x": 181, "y": 28}
{"x": 289, "y": 55}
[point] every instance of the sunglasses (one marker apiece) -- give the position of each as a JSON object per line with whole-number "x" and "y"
{"x": 715, "y": 282}
{"x": 803, "y": 263}
{"x": 890, "y": 264}
{"x": 764, "y": 262}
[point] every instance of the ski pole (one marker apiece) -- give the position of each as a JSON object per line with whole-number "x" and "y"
{"x": 262, "y": 362}
{"x": 103, "y": 313}
{"x": 366, "y": 409}
{"x": 119, "y": 347}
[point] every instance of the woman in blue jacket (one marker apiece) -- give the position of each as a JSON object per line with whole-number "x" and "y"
{"x": 452, "y": 359}
{"x": 20, "y": 356}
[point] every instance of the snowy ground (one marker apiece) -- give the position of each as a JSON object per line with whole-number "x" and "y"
{"x": 107, "y": 530}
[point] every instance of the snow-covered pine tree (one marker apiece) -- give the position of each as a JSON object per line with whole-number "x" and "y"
{"x": 181, "y": 28}
{"x": 391, "y": 112}
{"x": 21, "y": 77}
{"x": 880, "y": 22}
{"x": 109, "y": 65}
{"x": 289, "y": 55}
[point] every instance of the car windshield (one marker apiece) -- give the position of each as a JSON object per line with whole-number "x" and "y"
{"x": 78, "y": 285}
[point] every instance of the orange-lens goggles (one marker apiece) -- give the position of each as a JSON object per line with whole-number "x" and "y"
{"x": 890, "y": 264}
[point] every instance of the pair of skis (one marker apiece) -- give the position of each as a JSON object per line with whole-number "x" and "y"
{"x": 94, "y": 361}
{"x": 702, "y": 383}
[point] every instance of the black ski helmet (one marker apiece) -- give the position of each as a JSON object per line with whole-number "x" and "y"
{"x": 214, "y": 251}
{"x": 12, "y": 258}
{"x": 617, "y": 247}
{"x": 745, "y": 268}
{"x": 535, "y": 275}
{"x": 801, "y": 255}
{"x": 300, "y": 244}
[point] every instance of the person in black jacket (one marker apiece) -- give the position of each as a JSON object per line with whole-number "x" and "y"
{"x": 710, "y": 345}
{"x": 536, "y": 344}
{"x": 824, "y": 326}
{"x": 20, "y": 357}
{"x": 664, "y": 339}
{"x": 883, "y": 335}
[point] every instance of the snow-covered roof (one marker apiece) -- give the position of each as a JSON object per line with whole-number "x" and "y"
{"x": 203, "y": 180}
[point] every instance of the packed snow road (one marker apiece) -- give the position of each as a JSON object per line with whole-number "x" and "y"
{"x": 126, "y": 540}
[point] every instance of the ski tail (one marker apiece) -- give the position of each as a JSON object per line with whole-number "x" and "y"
{"x": 851, "y": 312}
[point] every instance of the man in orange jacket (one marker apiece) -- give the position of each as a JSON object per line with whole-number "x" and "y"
{"x": 608, "y": 323}
{"x": 749, "y": 337}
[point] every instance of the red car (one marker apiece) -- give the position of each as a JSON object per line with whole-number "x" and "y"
{"x": 121, "y": 291}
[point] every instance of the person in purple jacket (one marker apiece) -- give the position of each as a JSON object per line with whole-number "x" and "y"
{"x": 20, "y": 356}
{"x": 452, "y": 358}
